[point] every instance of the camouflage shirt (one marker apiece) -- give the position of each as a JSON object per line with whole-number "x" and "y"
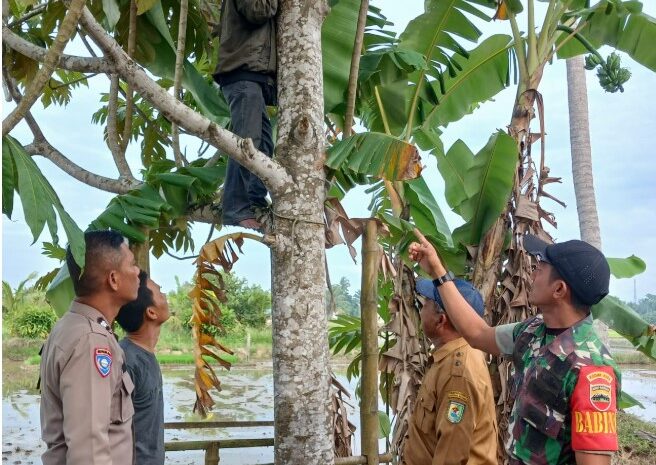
{"x": 547, "y": 369}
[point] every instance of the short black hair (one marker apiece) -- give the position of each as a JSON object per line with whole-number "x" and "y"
{"x": 102, "y": 252}
{"x": 131, "y": 315}
{"x": 575, "y": 301}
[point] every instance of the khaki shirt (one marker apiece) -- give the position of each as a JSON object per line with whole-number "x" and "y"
{"x": 86, "y": 408}
{"x": 454, "y": 421}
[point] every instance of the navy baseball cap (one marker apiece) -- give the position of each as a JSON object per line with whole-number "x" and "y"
{"x": 582, "y": 266}
{"x": 426, "y": 288}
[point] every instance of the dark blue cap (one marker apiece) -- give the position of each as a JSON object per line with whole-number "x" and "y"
{"x": 426, "y": 288}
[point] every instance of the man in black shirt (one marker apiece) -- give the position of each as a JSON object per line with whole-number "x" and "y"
{"x": 142, "y": 319}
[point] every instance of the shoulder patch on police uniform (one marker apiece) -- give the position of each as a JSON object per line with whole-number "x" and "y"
{"x": 103, "y": 361}
{"x": 458, "y": 395}
{"x": 455, "y": 411}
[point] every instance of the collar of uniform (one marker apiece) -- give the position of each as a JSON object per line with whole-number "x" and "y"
{"x": 88, "y": 311}
{"x": 446, "y": 349}
{"x": 565, "y": 343}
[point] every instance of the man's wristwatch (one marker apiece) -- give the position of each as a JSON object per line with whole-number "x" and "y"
{"x": 443, "y": 279}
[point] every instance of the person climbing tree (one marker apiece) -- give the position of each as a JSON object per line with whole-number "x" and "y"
{"x": 246, "y": 72}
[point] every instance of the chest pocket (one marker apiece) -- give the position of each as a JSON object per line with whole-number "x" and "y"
{"x": 425, "y": 418}
{"x": 545, "y": 403}
{"x": 122, "y": 408}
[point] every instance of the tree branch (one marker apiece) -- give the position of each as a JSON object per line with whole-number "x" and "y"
{"x": 112, "y": 132}
{"x": 355, "y": 66}
{"x": 129, "y": 94}
{"x": 67, "y": 62}
{"x": 66, "y": 30}
{"x": 177, "y": 80}
{"x": 272, "y": 174}
{"x": 46, "y": 150}
{"x": 36, "y": 11}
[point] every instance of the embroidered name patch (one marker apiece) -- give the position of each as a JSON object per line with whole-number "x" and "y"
{"x": 457, "y": 395}
{"x": 103, "y": 360}
{"x": 455, "y": 411}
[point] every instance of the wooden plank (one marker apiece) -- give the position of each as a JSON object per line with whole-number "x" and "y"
{"x": 215, "y": 424}
{"x": 223, "y": 444}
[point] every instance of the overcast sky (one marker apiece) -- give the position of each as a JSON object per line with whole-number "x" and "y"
{"x": 622, "y": 132}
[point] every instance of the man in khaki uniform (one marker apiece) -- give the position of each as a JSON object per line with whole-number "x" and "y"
{"x": 454, "y": 420}
{"x": 86, "y": 409}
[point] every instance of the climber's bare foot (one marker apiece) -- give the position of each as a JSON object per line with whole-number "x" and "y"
{"x": 251, "y": 223}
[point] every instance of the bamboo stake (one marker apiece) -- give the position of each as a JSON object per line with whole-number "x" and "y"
{"x": 369, "y": 314}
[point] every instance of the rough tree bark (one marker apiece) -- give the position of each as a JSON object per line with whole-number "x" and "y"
{"x": 579, "y": 139}
{"x": 301, "y": 379}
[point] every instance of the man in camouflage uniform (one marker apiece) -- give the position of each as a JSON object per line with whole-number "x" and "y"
{"x": 565, "y": 384}
{"x": 454, "y": 420}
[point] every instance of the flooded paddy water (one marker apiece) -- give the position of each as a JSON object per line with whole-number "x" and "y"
{"x": 247, "y": 395}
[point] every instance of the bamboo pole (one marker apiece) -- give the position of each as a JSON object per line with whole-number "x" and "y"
{"x": 369, "y": 315}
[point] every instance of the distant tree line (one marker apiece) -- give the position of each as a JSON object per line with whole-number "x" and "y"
{"x": 646, "y": 308}
{"x": 341, "y": 301}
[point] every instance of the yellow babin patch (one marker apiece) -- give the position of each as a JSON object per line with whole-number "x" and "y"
{"x": 458, "y": 395}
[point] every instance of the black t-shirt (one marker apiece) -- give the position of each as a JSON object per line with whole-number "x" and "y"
{"x": 148, "y": 401}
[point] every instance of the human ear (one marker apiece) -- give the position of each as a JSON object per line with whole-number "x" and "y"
{"x": 151, "y": 313}
{"x": 112, "y": 280}
{"x": 560, "y": 290}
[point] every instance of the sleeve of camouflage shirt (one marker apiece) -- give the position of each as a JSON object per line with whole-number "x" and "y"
{"x": 459, "y": 406}
{"x": 86, "y": 401}
{"x": 503, "y": 335}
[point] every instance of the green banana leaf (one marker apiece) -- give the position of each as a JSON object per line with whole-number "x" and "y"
{"x": 626, "y": 267}
{"x": 376, "y": 154}
{"x": 41, "y": 205}
{"x": 337, "y": 37}
{"x": 487, "y": 185}
{"x": 623, "y": 319}
{"x": 483, "y": 75}
{"x": 621, "y": 25}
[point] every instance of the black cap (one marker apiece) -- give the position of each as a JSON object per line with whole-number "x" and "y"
{"x": 583, "y": 267}
{"x": 426, "y": 288}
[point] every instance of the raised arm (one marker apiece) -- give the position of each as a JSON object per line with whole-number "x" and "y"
{"x": 472, "y": 327}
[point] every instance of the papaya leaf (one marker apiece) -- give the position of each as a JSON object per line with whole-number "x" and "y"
{"x": 112, "y": 12}
{"x": 376, "y": 154}
{"x": 626, "y": 267}
{"x": 60, "y": 292}
{"x": 8, "y": 181}
{"x": 41, "y": 205}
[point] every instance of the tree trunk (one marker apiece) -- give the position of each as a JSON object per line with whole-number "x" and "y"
{"x": 579, "y": 137}
{"x": 301, "y": 379}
